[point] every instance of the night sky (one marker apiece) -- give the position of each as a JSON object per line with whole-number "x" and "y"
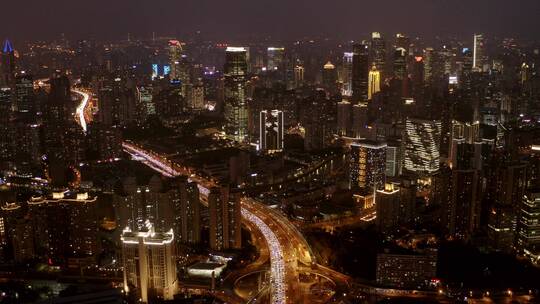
{"x": 32, "y": 19}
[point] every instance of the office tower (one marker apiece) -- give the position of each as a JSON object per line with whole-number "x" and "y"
{"x": 480, "y": 63}
{"x": 7, "y": 64}
{"x": 378, "y": 52}
{"x": 429, "y": 62}
{"x": 344, "y": 115}
{"x": 149, "y": 263}
{"x": 528, "y": 226}
{"x": 145, "y": 103}
{"x": 225, "y": 219}
{"x": 400, "y": 63}
{"x": 6, "y": 123}
{"x": 359, "y": 120}
{"x": 367, "y": 166}
{"x": 360, "y": 71}
{"x": 374, "y": 82}
{"x": 298, "y": 76}
{"x": 346, "y": 73}
{"x": 329, "y": 77}
{"x": 25, "y": 101}
{"x": 407, "y": 270}
{"x": 175, "y": 55}
{"x": 422, "y": 140}
{"x": 275, "y": 58}
{"x": 235, "y": 108}
{"x": 501, "y": 227}
{"x": 387, "y": 204}
{"x": 271, "y": 131}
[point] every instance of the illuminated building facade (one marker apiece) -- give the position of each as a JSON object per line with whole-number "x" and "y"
{"x": 374, "y": 82}
{"x": 149, "y": 263}
{"x": 367, "y": 166}
{"x": 422, "y": 140}
{"x": 235, "y": 108}
{"x": 528, "y": 226}
{"x": 271, "y": 131}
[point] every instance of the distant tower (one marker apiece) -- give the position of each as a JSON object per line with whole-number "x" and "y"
{"x": 235, "y": 109}
{"x": 346, "y": 73}
{"x": 175, "y": 55}
{"x": 329, "y": 77}
{"x": 378, "y": 51}
{"x": 479, "y": 53}
{"x": 7, "y": 64}
{"x": 400, "y": 63}
{"x": 374, "y": 83}
{"x": 298, "y": 76}
{"x": 276, "y": 56}
{"x": 360, "y": 69}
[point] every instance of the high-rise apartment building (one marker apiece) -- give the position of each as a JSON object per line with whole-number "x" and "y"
{"x": 149, "y": 263}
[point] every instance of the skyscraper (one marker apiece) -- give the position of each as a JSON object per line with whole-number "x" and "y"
{"x": 235, "y": 108}
{"x": 225, "y": 219}
{"x": 360, "y": 70}
{"x": 329, "y": 77}
{"x": 276, "y": 56}
{"x": 175, "y": 55}
{"x": 387, "y": 203}
{"x": 422, "y": 140}
{"x": 149, "y": 263}
{"x": 7, "y": 64}
{"x": 374, "y": 84}
{"x": 479, "y": 53}
{"x": 298, "y": 76}
{"x": 6, "y": 124}
{"x": 271, "y": 131}
{"x": 378, "y": 51}
{"x": 528, "y": 226}
{"x": 346, "y": 73}
{"x": 400, "y": 63}
{"x": 367, "y": 166}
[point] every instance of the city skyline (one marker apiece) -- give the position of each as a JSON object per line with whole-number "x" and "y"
{"x": 280, "y": 19}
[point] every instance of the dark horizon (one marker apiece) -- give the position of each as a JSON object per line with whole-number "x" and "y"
{"x": 280, "y": 19}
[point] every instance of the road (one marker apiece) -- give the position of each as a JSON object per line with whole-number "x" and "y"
{"x": 81, "y": 108}
{"x": 283, "y": 276}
